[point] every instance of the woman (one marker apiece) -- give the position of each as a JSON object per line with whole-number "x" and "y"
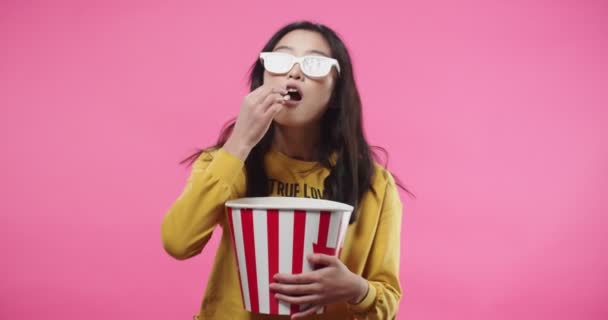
{"x": 299, "y": 133}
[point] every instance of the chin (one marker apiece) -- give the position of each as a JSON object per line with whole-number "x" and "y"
{"x": 287, "y": 120}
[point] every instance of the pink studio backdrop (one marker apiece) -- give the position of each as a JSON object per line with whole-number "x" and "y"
{"x": 494, "y": 113}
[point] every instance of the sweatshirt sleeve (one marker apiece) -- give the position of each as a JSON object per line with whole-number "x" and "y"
{"x": 382, "y": 267}
{"x": 215, "y": 178}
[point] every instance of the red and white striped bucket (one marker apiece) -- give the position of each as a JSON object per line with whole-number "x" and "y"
{"x": 274, "y": 235}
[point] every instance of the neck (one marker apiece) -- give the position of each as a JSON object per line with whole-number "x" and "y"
{"x": 298, "y": 143}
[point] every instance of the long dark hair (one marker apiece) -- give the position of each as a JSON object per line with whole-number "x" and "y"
{"x": 341, "y": 131}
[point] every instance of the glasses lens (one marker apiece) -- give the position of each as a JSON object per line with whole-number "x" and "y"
{"x": 278, "y": 62}
{"x": 316, "y": 66}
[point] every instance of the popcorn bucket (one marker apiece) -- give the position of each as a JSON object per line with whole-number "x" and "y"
{"x": 273, "y": 235}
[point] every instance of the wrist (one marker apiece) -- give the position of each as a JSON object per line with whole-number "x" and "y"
{"x": 361, "y": 288}
{"x": 237, "y": 149}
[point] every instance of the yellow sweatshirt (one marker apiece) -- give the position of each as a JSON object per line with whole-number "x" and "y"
{"x": 371, "y": 247}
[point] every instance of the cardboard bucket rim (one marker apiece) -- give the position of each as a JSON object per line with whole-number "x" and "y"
{"x": 288, "y": 203}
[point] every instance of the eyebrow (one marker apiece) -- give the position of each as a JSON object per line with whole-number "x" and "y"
{"x": 309, "y": 51}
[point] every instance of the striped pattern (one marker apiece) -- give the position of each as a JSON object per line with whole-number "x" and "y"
{"x": 267, "y": 242}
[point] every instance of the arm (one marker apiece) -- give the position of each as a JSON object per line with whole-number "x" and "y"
{"x": 188, "y": 225}
{"x": 382, "y": 267}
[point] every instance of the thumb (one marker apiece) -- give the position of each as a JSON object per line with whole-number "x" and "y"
{"x": 272, "y": 111}
{"x": 321, "y": 259}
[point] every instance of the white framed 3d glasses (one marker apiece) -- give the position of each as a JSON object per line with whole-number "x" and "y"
{"x": 312, "y": 66}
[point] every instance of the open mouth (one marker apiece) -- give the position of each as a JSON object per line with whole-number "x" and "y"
{"x": 294, "y": 94}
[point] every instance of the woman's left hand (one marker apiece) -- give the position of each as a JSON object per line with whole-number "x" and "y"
{"x": 333, "y": 282}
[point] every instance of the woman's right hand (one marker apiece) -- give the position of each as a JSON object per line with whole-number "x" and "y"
{"x": 257, "y": 111}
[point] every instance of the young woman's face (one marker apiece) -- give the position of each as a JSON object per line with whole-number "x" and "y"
{"x": 315, "y": 92}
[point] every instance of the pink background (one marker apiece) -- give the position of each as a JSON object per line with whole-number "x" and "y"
{"x": 494, "y": 113}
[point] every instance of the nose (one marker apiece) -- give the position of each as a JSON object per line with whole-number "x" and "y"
{"x": 295, "y": 72}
